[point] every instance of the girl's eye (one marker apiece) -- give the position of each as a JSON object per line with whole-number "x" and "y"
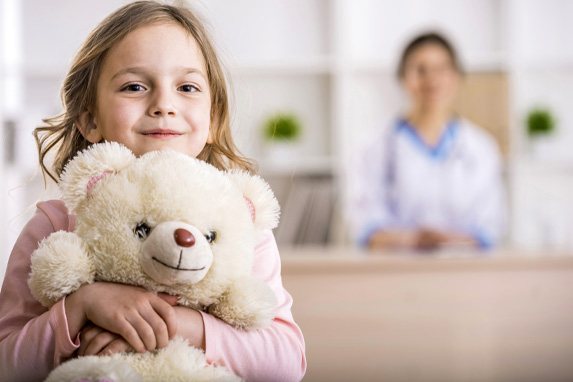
{"x": 188, "y": 88}
{"x": 134, "y": 88}
{"x": 211, "y": 236}
{"x": 141, "y": 231}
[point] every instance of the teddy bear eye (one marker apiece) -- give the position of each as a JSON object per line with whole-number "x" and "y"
{"x": 142, "y": 230}
{"x": 211, "y": 236}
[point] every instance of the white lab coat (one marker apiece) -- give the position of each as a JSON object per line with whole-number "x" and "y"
{"x": 396, "y": 181}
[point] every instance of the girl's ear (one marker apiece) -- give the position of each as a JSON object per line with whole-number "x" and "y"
{"x": 88, "y": 127}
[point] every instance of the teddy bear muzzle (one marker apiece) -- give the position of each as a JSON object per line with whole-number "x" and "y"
{"x": 176, "y": 252}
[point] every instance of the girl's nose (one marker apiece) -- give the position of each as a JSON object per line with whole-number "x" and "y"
{"x": 162, "y": 105}
{"x": 184, "y": 238}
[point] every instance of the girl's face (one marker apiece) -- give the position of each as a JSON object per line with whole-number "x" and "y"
{"x": 152, "y": 93}
{"x": 430, "y": 77}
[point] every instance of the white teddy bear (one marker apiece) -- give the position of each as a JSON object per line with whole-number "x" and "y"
{"x": 168, "y": 223}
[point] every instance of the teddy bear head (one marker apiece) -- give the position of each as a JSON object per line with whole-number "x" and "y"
{"x": 166, "y": 221}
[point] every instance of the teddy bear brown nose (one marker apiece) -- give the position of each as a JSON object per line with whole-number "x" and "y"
{"x": 184, "y": 238}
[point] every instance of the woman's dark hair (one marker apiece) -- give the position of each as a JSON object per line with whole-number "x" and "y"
{"x": 427, "y": 39}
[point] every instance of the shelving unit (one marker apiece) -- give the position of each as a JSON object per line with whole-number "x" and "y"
{"x": 332, "y": 62}
{"x": 348, "y": 73}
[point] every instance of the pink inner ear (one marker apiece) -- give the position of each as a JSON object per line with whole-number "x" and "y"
{"x": 251, "y": 208}
{"x": 96, "y": 179}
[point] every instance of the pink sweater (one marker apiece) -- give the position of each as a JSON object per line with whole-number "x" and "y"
{"x": 33, "y": 339}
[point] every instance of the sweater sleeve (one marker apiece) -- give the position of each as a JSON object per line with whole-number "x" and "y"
{"x": 273, "y": 354}
{"x": 33, "y": 339}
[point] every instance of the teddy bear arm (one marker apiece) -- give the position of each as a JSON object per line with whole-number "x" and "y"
{"x": 60, "y": 266}
{"x": 248, "y": 304}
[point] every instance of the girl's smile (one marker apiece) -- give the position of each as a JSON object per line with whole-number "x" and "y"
{"x": 153, "y": 93}
{"x": 162, "y": 134}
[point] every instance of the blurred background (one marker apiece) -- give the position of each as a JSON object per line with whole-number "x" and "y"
{"x": 329, "y": 66}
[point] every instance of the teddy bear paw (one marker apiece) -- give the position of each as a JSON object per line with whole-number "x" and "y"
{"x": 94, "y": 369}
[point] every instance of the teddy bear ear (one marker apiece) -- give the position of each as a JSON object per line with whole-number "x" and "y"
{"x": 261, "y": 201}
{"x": 89, "y": 167}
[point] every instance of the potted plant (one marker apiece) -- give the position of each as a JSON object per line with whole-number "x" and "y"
{"x": 540, "y": 122}
{"x": 540, "y": 125}
{"x": 281, "y": 131}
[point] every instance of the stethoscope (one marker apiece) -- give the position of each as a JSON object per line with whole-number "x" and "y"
{"x": 450, "y": 151}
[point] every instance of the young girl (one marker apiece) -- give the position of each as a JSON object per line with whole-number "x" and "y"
{"x": 149, "y": 78}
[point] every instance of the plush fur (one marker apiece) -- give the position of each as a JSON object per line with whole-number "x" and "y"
{"x": 115, "y": 196}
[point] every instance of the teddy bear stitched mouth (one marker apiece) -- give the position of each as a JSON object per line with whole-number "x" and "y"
{"x": 177, "y": 267}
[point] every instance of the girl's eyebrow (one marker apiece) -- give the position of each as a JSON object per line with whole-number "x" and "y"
{"x": 141, "y": 70}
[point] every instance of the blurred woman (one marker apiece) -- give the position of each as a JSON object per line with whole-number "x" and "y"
{"x": 433, "y": 178}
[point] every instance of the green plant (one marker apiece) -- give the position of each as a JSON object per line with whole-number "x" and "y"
{"x": 540, "y": 122}
{"x": 282, "y": 127}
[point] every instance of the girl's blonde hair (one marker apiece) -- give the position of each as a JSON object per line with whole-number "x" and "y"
{"x": 79, "y": 89}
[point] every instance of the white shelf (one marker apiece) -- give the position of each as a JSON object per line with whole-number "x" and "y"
{"x": 56, "y": 73}
{"x": 542, "y": 166}
{"x": 317, "y": 165}
{"x": 319, "y": 65}
{"x": 544, "y": 64}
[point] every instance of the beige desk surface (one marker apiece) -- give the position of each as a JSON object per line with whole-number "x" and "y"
{"x": 507, "y": 316}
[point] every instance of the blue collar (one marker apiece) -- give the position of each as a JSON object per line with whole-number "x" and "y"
{"x": 439, "y": 151}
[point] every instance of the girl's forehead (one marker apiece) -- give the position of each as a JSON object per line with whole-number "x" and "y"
{"x": 157, "y": 43}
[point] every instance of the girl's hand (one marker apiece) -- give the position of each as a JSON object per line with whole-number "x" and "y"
{"x": 97, "y": 341}
{"x": 144, "y": 320}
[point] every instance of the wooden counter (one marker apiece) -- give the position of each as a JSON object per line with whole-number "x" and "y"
{"x": 501, "y": 317}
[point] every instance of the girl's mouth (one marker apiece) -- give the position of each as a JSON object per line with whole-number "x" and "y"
{"x": 162, "y": 134}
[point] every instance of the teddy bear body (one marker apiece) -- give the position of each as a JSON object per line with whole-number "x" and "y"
{"x": 168, "y": 223}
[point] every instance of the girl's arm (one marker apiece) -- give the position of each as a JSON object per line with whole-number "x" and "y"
{"x": 33, "y": 339}
{"x": 272, "y": 354}
{"x": 143, "y": 319}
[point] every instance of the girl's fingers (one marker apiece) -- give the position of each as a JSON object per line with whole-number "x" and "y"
{"x": 171, "y": 300}
{"x": 159, "y": 328}
{"x": 131, "y": 335}
{"x": 146, "y": 321}
{"x": 116, "y": 346}
{"x": 88, "y": 333}
{"x": 99, "y": 342}
{"x": 167, "y": 314}
{"x": 144, "y": 331}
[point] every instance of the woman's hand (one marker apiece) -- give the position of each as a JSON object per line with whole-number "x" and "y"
{"x": 423, "y": 239}
{"x": 430, "y": 240}
{"x": 144, "y": 320}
